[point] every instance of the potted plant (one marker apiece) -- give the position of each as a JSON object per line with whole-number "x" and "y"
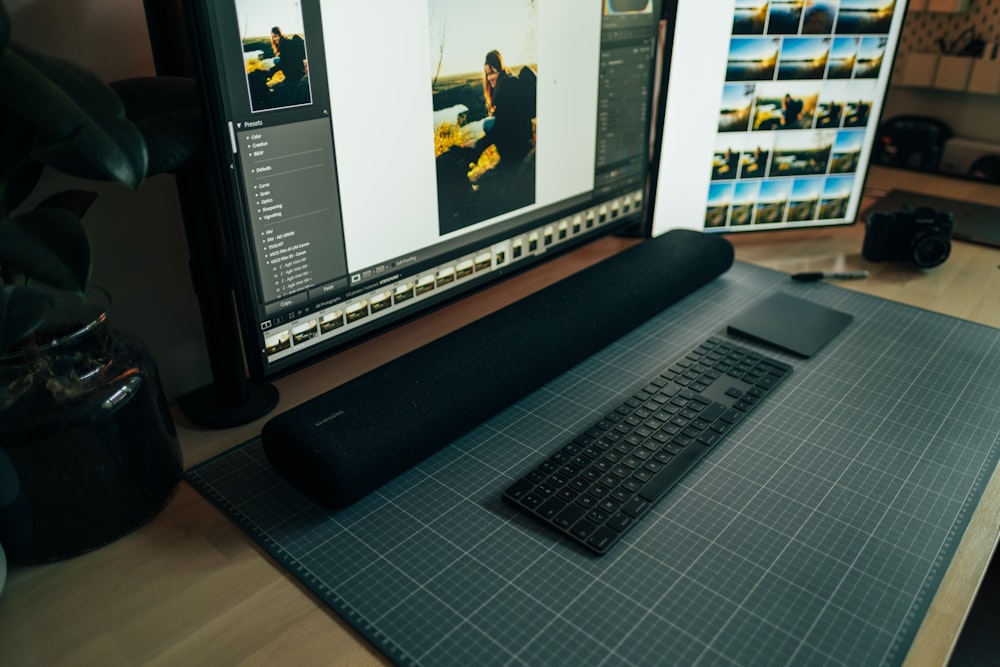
{"x": 86, "y": 440}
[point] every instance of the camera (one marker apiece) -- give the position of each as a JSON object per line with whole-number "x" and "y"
{"x": 921, "y": 236}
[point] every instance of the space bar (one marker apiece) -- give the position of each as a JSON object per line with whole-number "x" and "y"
{"x": 672, "y": 472}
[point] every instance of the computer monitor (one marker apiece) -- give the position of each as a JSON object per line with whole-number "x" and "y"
{"x": 377, "y": 158}
{"x": 773, "y": 112}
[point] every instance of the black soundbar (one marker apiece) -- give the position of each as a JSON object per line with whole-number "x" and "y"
{"x": 345, "y": 443}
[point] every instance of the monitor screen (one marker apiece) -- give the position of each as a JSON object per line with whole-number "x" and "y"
{"x": 773, "y": 111}
{"x": 379, "y": 157}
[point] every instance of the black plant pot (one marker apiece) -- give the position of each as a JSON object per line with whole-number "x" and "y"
{"x": 88, "y": 450}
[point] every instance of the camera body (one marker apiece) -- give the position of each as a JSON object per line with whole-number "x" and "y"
{"x": 921, "y": 236}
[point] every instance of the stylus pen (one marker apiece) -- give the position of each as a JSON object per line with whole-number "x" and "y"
{"x": 829, "y": 275}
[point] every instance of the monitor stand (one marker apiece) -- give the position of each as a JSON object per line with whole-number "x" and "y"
{"x": 204, "y": 406}
{"x": 232, "y": 398}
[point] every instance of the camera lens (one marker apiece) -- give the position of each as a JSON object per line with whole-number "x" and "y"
{"x": 929, "y": 250}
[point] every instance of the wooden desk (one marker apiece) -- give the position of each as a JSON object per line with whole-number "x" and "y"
{"x": 189, "y": 588}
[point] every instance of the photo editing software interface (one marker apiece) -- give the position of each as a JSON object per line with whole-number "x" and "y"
{"x": 383, "y": 156}
{"x": 772, "y": 112}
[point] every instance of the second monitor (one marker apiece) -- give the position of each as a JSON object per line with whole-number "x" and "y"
{"x": 772, "y": 112}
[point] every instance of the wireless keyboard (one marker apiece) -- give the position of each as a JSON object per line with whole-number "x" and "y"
{"x": 597, "y": 487}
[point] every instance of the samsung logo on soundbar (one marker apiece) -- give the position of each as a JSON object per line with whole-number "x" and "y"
{"x": 325, "y": 420}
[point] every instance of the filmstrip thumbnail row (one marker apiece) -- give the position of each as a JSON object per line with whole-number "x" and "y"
{"x": 342, "y": 317}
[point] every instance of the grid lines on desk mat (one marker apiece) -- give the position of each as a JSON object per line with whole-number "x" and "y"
{"x": 816, "y": 533}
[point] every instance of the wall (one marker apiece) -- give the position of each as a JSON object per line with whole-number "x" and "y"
{"x": 970, "y": 115}
{"x": 140, "y": 250}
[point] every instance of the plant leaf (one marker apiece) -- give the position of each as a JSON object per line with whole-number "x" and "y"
{"x": 83, "y": 130}
{"x": 168, "y": 113}
{"x": 49, "y": 245}
{"x": 18, "y": 171}
{"x": 22, "y": 310}
{"x": 76, "y": 202}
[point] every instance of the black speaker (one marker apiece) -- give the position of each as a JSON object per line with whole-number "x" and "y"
{"x": 343, "y": 444}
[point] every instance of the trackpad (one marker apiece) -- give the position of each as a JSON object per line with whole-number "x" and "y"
{"x": 790, "y": 323}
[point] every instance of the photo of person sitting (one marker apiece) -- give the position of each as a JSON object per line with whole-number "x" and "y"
{"x": 724, "y": 164}
{"x": 510, "y": 103}
{"x": 830, "y": 115}
{"x": 781, "y": 106}
{"x": 754, "y": 163}
{"x": 289, "y": 56}
{"x": 492, "y": 170}
{"x": 791, "y": 112}
{"x": 857, "y": 114}
{"x": 277, "y": 70}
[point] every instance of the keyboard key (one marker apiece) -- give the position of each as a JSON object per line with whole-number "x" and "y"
{"x": 520, "y": 489}
{"x": 602, "y": 539}
{"x": 531, "y": 501}
{"x": 583, "y": 528}
{"x": 570, "y": 515}
{"x": 635, "y": 507}
{"x": 551, "y": 508}
{"x": 619, "y": 522}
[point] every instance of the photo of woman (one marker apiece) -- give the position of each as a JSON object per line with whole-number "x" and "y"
{"x": 484, "y": 94}
{"x": 274, "y": 54}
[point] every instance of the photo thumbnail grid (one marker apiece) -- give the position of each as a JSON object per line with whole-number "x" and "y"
{"x": 801, "y": 82}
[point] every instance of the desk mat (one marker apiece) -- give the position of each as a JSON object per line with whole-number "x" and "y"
{"x": 816, "y": 533}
